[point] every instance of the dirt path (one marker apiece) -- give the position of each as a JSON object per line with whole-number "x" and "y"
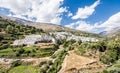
{"x": 74, "y": 63}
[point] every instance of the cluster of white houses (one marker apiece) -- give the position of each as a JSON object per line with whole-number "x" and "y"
{"x": 34, "y": 39}
{"x": 69, "y": 36}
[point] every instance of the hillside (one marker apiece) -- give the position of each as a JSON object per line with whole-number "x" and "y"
{"x": 19, "y": 20}
{"x": 57, "y": 28}
{"x": 111, "y": 33}
{"x": 51, "y": 48}
{"x": 49, "y": 27}
{"x": 10, "y": 31}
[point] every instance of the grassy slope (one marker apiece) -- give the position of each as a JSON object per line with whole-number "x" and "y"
{"x": 24, "y": 69}
{"x": 28, "y": 51}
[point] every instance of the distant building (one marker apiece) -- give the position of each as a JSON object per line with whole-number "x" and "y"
{"x": 34, "y": 39}
{"x": 69, "y": 36}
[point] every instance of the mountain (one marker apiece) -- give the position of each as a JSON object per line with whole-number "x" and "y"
{"x": 18, "y": 20}
{"x": 103, "y": 33}
{"x": 111, "y": 33}
{"x": 48, "y": 27}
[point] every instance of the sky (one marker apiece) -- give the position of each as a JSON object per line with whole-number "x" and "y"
{"x": 86, "y": 15}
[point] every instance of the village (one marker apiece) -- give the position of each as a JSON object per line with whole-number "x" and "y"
{"x": 35, "y": 39}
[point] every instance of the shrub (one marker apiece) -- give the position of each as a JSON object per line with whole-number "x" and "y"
{"x": 79, "y": 42}
{"x": 101, "y": 46}
{"x": 21, "y": 51}
{"x": 1, "y": 37}
{"x": 69, "y": 42}
{"x": 4, "y": 46}
{"x": 16, "y": 63}
{"x": 109, "y": 56}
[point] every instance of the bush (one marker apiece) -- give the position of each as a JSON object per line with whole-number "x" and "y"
{"x": 55, "y": 47}
{"x": 21, "y": 51}
{"x": 79, "y": 42}
{"x": 16, "y": 63}
{"x": 1, "y": 37}
{"x": 101, "y": 46}
{"x": 105, "y": 71}
{"x": 4, "y": 46}
{"x": 69, "y": 42}
{"x": 109, "y": 56}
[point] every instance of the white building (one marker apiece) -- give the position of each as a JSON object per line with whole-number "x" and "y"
{"x": 33, "y": 39}
{"x": 69, "y": 36}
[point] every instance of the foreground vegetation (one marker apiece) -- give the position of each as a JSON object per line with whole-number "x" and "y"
{"x": 109, "y": 53}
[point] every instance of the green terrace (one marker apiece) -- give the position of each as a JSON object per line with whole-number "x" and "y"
{"x": 27, "y": 52}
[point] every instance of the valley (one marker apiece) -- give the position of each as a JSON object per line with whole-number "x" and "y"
{"x": 49, "y": 48}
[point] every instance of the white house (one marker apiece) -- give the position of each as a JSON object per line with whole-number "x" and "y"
{"x": 33, "y": 39}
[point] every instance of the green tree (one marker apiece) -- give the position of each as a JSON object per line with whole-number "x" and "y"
{"x": 9, "y": 29}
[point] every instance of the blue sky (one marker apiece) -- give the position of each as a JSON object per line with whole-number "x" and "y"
{"x": 103, "y": 11}
{"x": 87, "y": 15}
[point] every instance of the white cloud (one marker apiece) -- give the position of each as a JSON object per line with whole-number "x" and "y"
{"x": 49, "y": 11}
{"x": 69, "y": 14}
{"x": 85, "y": 12}
{"x": 112, "y": 22}
{"x": 71, "y": 25}
{"x": 84, "y": 26}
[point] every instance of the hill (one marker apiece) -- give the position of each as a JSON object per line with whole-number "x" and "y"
{"x": 49, "y": 27}
{"x": 18, "y": 20}
{"x": 111, "y": 33}
{"x": 10, "y": 31}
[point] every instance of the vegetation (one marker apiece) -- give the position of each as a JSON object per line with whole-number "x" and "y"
{"x": 54, "y": 67}
{"x": 10, "y": 31}
{"x": 113, "y": 69}
{"x": 27, "y": 51}
{"x": 24, "y": 69}
{"x": 109, "y": 53}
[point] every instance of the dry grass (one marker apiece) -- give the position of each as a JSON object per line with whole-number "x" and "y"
{"x": 36, "y": 61}
{"x": 80, "y": 64}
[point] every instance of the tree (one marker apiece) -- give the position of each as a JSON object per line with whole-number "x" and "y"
{"x": 9, "y": 29}
{"x": 1, "y": 37}
{"x": 79, "y": 42}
